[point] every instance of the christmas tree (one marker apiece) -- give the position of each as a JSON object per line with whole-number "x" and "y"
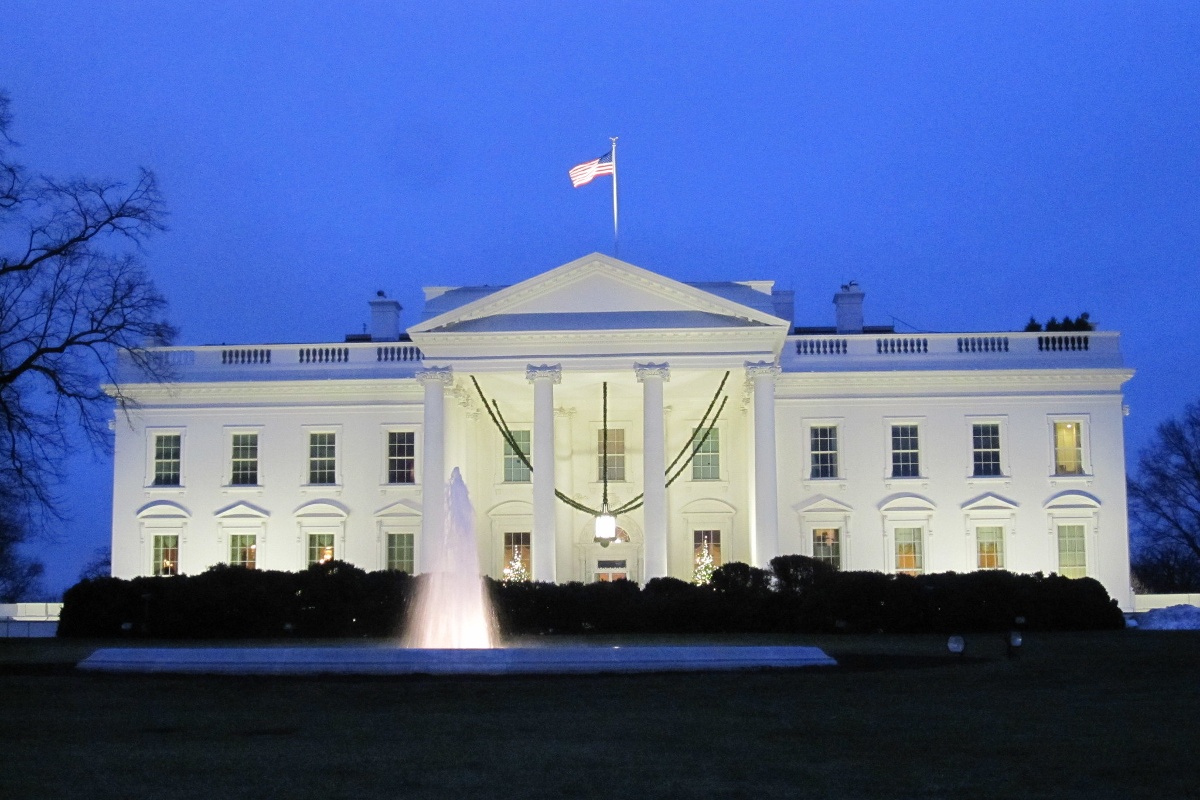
{"x": 704, "y": 565}
{"x": 515, "y": 571}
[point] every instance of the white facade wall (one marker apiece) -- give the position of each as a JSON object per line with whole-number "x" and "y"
{"x": 622, "y": 318}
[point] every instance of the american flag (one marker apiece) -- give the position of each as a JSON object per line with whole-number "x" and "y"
{"x": 584, "y": 173}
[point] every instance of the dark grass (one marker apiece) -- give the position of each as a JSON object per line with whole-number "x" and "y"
{"x": 1093, "y": 715}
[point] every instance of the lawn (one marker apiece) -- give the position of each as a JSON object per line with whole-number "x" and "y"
{"x": 1092, "y": 715}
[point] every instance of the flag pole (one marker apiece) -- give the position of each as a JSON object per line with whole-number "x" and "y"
{"x": 616, "y": 238}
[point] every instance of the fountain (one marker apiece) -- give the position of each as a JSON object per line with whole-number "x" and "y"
{"x": 451, "y": 631}
{"x": 451, "y": 609}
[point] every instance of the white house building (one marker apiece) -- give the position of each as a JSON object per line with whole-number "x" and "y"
{"x": 865, "y": 448}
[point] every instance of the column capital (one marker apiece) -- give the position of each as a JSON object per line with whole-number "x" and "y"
{"x": 550, "y": 372}
{"x": 762, "y": 369}
{"x": 442, "y": 375}
{"x": 645, "y": 371}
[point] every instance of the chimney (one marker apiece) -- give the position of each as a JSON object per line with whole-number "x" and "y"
{"x": 385, "y": 318}
{"x": 849, "y": 308}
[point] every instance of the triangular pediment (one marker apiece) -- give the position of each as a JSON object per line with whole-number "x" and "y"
{"x": 822, "y": 504}
{"x": 601, "y": 293}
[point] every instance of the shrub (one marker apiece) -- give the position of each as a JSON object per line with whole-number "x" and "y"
{"x": 798, "y": 594}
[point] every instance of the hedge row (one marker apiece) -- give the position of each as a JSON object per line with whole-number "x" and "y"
{"x": 797, "y": 595}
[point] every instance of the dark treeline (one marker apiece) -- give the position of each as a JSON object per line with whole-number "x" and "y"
{"x": 797, "y": 595}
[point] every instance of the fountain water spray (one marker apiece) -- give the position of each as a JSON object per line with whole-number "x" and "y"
{"x": 451, "y": 608}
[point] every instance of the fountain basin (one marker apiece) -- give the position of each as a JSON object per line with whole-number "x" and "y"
{"x": 567, "y": 660}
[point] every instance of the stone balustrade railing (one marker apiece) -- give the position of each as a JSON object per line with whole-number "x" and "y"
{"x": 241, "y": 361}
{"x": 945, "y": 350}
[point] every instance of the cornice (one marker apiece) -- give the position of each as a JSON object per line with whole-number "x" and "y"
{"x": 975, "y": 382}
{"x": 269, "y": 393}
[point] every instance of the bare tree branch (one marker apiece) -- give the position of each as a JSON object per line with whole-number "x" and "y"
{"x": 1164, "y": 499}
{"x": 74, "y": 295}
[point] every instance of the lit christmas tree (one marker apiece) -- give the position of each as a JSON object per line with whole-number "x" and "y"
{"x": 515, "y": 571}
{"x": 704, "y": 565}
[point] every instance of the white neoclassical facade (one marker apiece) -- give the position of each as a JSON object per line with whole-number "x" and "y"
{"x": 729, "y": 431}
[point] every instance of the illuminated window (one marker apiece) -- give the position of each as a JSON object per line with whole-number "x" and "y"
{"x": 322, "y": 458}
{"x": 515, "y": 470}
{"x": 243, "y": 550}
{"x": 985, "y": 449}
{"x": 166, "y": 554}
{"x": 244, "y": 460}
{"x": 1068, "y": 448}
{"x": 401, "y": 457}
{"x": 518, "y": 552}
{"x": 823, "y": 451}
{"x": 711, "y": 540}
{"x": 827, "y": 546}
{"x": 611, "y": 569}
{"x": 1072, "y": 555}
{"x": 989, "y": 546}
{"x": 910, "y": 558}
{"x": 400, "y": 552}
{"x": 905, "y": 452}
{"x": 168, "y": 451}
{"x": 706, "y": 461}
{"x": 616, "y": 454}
{"x": 320, "y": 548}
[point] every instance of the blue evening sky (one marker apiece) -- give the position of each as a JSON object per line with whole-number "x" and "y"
{"x": 969, "y": 163}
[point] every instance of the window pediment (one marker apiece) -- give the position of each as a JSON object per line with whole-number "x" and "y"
{"x": 1072, "y": 499}
{"x": 163, "y": 508}
{"x": 821, "y": 503}
{"x": 906, "y": 502}
{"x": 401, "y": 508}
{"x": 322, "y": 508}
{"x": 241, "y": 510}
{"x": 708, "y": 505}
{"x": 989, "y": 502}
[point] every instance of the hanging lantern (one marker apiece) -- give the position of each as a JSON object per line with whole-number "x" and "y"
{"x": 606, "y": 527}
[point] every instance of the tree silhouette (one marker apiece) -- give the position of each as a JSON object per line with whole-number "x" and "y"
{"x": 1164, "y": 503}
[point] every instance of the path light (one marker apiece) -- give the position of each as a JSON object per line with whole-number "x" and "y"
{"x": 957, "y": 645}
{"x": 1015, "y": 641}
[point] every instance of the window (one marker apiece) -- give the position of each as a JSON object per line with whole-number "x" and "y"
{"x": 244, "y": 460}
{"x": 910, "y": 558}
{"x": 168, "y": 451}
{"x": 1072, "y": 555}
{"x": 401, "y": 458}
{"x": 905, "y": 452}
{"x": 989, "y": 545}
{"x": 710, "y": 540}
{"x": 823, "y": 451}
{"x": 985, "y": 449}
{"x": 518, "y": 562}
{"x": 400, "y": 552}
{"x": 827, "y": 546}
{"x": 320, "y": 548}
{"x": 616, "y": 454}
{"x": 706, "y": 459}
{"x": 1068, "y": 448}
{"x": 515, "y": 470}
{"x": 322, "y": 458}
{"x": 611, "y": 569}
{"x": 166, "y": 554}
{"x": 243, "y": 550}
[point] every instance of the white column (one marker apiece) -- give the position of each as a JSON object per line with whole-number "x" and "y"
{"x": 543, "y": 379}
{"x": 654, "y": 465}
{"x": 765, "y": 542}
{"x": 433, "y": 465}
